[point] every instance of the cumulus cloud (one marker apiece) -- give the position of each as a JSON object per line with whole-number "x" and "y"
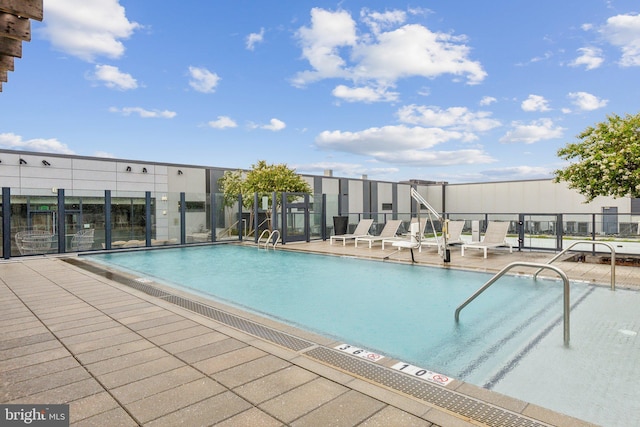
{"x": 402, "y": 144}
{"x": 623, "y": 31}
{"x": 459, "y": 118}
{"x": 487, "y": 100}
{"x": 590, "y": 57}
{"x": 12, "y": 141}
{"x": 254, "y": 38}
{"x": 336, "y": 47}
{"x": 364, "y": 94}
{"x": 586, "y": 101}
{"x": 274, "y": 125}
{"x": 203, "y": 80}
{"x": 113, "y": 78}
{"x": 534, "y": 131}
{"x": 223, "y": 122}
{"x": 145, "y": 114}
{"x": 87, "y": 28}
{"x": 535, "y": 103}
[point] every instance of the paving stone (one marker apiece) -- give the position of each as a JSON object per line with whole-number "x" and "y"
{"x": 126, "y": 361}
{"x": 348, "y": 409}
{"x": 394, "y": 417}
{"x": 29, "y": 349}
{"x": 42, "y": 383}
{"x": 193, "y": 342}
{"x": 251, "y": 417}
{"x": 89, "y": 406}
{"x": 102, "y": 343}
{"x": 115, "y": 417}
{"x": 302, "y": 400}
{"x": 19, "y": 342}
{"x": 250, "y": 371}
{"x": 171, "y": 337}
{"x": 113, "y": 351}
{"x": 148, "y": 386}
{"x": 206, "y": 412}
{"x": 33, "y": 359}
{"x": 210, "y": 350}
{"x": 274, "y": 384}
{"x": 138, "y": 372}
{"x": 168, "y": 401}
{"x": 34, "y": 371}
{"x": 229, "y": 360}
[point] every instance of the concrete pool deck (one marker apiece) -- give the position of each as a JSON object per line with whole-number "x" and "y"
{"x": 119, "y": 355}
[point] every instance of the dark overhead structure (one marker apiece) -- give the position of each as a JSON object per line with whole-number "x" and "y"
{"x": 15, "y": 28}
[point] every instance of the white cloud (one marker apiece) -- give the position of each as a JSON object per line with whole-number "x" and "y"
{"x": 12, "y": 141}
{"x": 223, "y": 122}
{"x": 145, "y": 114}
{"x": 590, "y": 57}
{"x": 487, "y": 100}
{"x": 255, "y": 38}
{"x": 586, "y": 101}
{"x": 402, "y": 144}
{"x": 87, "y": 28}
{"x": 113, "y": 78}
{"x": 535, "y": 131}
{"x": 459, "y": 118}
{"x": 379, "y": 21}
{"x": 535, "y": 103}
{"x": 274, "y": 125}
{"x": 336, "y": 49}
{"x": 363, "y": 94}
{"x": 623, "y": 31}
{"x": 203, "y": 80}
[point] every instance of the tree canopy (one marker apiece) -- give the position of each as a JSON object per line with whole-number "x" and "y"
{"x": 607, "y": 160}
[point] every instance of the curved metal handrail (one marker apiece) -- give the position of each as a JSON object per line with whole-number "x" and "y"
{"x": 589, "y": 242}
{"x": 269, "y": 238}
{"x": 563, "y": 276}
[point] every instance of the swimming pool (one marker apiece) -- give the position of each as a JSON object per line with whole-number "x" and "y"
{"x": 406, "y": 312}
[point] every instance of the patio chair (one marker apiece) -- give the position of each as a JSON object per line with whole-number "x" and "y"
{"x": 389, "y": 230}
{"x": 362, "y": 229}
{"x": 31, "y": 242}
{"x": 495, "y": 236}
{"x": 454, "y": 231}
{"x": 407, "y": 238}
{"x": 82, "y": 240}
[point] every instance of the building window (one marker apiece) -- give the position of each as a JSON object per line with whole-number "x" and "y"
{"x": 387, "y": 206}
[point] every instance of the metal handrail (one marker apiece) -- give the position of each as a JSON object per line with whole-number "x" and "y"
{"x": 565, "y": 279}
{"x": 590, "y": 242}
{"x": 269, "y": 237}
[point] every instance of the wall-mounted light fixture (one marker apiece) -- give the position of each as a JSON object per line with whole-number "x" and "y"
{"x": 46, "y": 163}
{"x": 23, "y": 161}
{"x": 163, "y": 198}
{"x": 179, "y": 172}
{"x": 144, "y": 170}
{"x": 128, "y": 169}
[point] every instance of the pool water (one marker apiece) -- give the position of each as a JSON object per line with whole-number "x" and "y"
{"x": 404, "y": 312}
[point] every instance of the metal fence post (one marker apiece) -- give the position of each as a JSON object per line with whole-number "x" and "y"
{"x": 6, "y": 222}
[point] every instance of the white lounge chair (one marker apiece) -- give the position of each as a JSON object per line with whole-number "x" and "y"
{"x": 362, "y": 229}
{"x": 454, "y": 231}
{"x": 406, "y": 238}
{"x": 389, "y": 230}
{"x": 413, "y": 243}
{"x": 495, "y": 236}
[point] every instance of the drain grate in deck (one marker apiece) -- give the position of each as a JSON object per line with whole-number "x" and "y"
{"x": 433, "y": 394}
{"x": 221, "y": 316}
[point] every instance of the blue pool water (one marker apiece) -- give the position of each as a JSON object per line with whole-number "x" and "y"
{"x": 396, "y": 310}
{"x": 509, "y": 339}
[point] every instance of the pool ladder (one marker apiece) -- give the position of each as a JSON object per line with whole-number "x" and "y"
{"x": 270, "y": 236}
{"x": 540, "y": 266}
{"x": 565, "y": 280}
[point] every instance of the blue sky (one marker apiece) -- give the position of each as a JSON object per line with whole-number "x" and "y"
{"x": 457, "y": 91}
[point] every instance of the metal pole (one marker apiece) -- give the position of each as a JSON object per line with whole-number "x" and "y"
{"x": 6, "y": 222}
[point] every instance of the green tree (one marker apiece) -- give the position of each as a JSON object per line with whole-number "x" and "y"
{"x": 607, "y": 160}
{"x": 265, "y": 179}
{"x": 231, "y": 184}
